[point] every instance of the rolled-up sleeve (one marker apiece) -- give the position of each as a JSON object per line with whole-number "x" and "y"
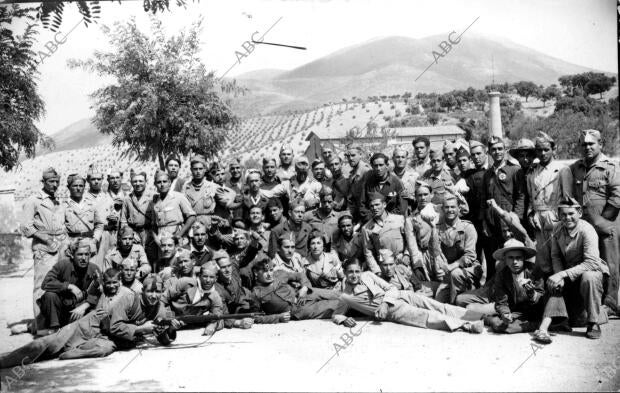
{"x": 186, "y": 207}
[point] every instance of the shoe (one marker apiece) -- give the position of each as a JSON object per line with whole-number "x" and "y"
{"x": 474, "y": 327}
{"x": 19, "y": 329}
{"x": 594, "y": 331}
{"x": 611, "y": 313}
{"x": 46, "y": 332}
{"x": 561, "y": 327}
{"x": 542, "y": 337}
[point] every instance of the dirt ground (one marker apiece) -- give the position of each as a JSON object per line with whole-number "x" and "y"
{"x": 293, "y": 356}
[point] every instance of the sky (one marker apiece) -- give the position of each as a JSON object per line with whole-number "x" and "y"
{"x": 582, "y": 32}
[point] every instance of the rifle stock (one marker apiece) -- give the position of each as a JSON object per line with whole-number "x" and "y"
{"x": 169, "y": 334}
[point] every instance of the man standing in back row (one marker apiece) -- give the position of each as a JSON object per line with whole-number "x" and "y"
{"x": 596, "y": 185}
{"x": 45, "y": 223}
{"x": 504, "y": 182}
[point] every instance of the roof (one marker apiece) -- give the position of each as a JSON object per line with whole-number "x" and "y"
{"x": 400, "y": 132}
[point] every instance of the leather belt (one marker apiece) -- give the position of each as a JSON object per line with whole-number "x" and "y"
{"x": 81, "y": 234}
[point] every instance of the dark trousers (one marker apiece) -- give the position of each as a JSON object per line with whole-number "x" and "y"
{"x": 610, "y": 252}
{"x": 319, "y": 304}
{"x": 55, "y": 309}
{"x": 491, "y": 244}
{"x": 579, "y": 300}
{"x": 521, "y": 323}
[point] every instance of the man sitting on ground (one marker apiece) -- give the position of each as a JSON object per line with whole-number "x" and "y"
{"x": 126, "y": 248}
{"x": 71, "y": 287}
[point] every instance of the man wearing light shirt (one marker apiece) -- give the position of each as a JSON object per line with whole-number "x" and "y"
{"x": 373, "y": 297}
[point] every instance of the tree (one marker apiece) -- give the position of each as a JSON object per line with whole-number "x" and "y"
{"x": 21, "y": 103}
{"x": 433, "y": 118}
{"x": 50, "y": 12}
{"x": 550, "y": 93}
{"x": 163, "y": 100}
{"x": 526, "y": 89}
{"x": 599, "y": 84}
{"x": 447, "y": 101}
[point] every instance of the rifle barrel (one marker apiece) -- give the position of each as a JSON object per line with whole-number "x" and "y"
{"x": 202, "y": 319}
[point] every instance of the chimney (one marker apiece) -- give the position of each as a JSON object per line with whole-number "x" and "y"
{"x": 495, "y": 117}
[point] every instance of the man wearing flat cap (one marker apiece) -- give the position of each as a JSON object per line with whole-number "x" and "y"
{"x": 596, "y": 185}
{"x": 505, "y": 183}
{"x": 548, "y": 182}
{"x": 44, "y": 223}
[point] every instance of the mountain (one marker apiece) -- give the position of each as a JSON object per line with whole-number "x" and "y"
{"x": 391, "y": 65}
{"x": 78, "y": 135}
{"x": 383, "y": 66}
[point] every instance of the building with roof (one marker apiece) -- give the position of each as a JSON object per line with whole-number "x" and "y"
{"x": 399, "y": 136}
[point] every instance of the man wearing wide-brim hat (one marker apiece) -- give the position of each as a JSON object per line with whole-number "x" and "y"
{"x": 518, "y": 290}
{"x": 524, "y": 152}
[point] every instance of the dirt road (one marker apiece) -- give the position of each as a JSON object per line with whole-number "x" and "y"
{"x": 287, "y": 357}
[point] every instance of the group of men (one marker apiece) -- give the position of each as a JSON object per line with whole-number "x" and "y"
{"x": 451, "y": 239}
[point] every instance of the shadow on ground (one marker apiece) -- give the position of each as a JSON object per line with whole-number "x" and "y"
{"x": 70, "y": 375}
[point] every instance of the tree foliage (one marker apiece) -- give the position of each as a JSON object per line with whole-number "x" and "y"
{"x": 551, "y": 92}
{"x": 20, "y": 103}
{"x": 163, "y": 100}
{"x": 526, "y": 89}
{"x": 586, "y": 83}
{"x": 50, "y": 12}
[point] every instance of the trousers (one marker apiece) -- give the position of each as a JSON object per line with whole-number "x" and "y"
{"x": 583, "y": 295}
{"x": 79, "y": 339}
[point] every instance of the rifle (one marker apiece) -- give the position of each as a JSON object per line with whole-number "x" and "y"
{"x": 169, "y": 333}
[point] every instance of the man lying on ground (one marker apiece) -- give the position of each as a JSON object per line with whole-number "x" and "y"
{"x": 120, "y": 317}
{"x": 373, "y": 297}
{"x": 276, "y": 295}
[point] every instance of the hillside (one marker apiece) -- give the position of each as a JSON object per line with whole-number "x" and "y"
{"x": 256, "y": 138}
{"x": 390, "y": 66}
{"x": 79, "y": 135}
